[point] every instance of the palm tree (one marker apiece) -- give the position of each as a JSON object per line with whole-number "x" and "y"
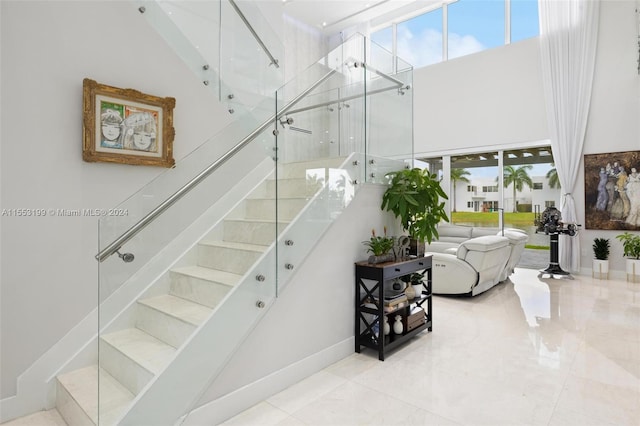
{"x": 518, "y": 177}
{"x": 552, "y": 177}
{"x": 458, "y": 175}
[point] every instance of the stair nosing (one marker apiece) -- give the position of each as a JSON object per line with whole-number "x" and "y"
{"x": 182, "y": 271}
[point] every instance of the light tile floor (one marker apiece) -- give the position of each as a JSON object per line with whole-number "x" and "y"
{"x": 530, "y": 351}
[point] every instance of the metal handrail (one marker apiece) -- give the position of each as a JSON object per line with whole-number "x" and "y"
{"x": 274, "y": 61}
{"x": 142, "y": 223}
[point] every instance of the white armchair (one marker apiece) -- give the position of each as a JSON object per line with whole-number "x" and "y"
{"x": 477, "y": 265}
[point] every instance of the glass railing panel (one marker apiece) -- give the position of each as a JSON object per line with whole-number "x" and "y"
{"x": 250, "y": 71}
{"x": 192, "y": 31}
{"x": 333, "y": 184}
{"x": 390, "y": 107}
{"x": 216, "y": 44}
{"x": 379, "y": 167}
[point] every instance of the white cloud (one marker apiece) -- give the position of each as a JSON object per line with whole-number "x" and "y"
{"x": 460, "y": 45}
{"x": 425, "y": 48}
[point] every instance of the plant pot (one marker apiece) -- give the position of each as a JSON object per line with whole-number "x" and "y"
{"x": 417, "y": 288}
{"x": 416, "y": 248}
{"x": 633, "y": 269}
{"x": 380, "y": 259}
{"x": 600, "y": 269}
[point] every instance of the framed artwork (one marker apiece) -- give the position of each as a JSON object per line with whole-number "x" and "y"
{"x": 126, "y": 126}
{"x": 612, "y": 190}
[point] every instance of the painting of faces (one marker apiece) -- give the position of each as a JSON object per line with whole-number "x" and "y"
{"x": 612, "y": 191}
{"x": 128, "y": 127}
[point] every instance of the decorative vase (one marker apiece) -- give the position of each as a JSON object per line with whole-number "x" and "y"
{"x": 398, "y": 328}
{"x": 633, "y": 269}
{"x": 416, "y": 248}
{"x": 417, "y": 288}
{"x": 600, "y": 269}
{"x": 386, "y": 326}
{"x": 410, "y": 292}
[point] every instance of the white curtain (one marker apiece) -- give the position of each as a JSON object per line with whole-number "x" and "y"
{"x": 568, "y": 39}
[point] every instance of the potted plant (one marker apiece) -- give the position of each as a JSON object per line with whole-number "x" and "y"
{"x": 414, "y": 196}
{"x": 601, "y": 248}
{"x": 379, "y": 246}
{"x": 631, "y": 250}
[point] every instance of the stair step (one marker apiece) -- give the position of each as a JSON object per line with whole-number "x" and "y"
{"x": 252, "y": 231}
{"x": 185, "y": 310}
{"x": 291, "y": 188}
{"x": 133, "y": 357}
{"x": 170, "y": 318}
{"x": 226, "y": 256}
{"x": 202, "y": 285}
{"x": 41, "y": 418}
{"x": 265, "y": 208}
{"x": 299, "y": 169}
{"x": 77, "y": 397}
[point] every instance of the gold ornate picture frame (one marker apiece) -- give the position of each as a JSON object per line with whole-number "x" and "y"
{"x": 126, "y": 126}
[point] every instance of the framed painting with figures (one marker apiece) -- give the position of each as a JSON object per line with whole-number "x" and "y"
{"x": 612, "y": 190}
{"x": 126, "y": 126}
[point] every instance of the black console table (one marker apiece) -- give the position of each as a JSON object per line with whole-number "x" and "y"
{"x": 370, "y": 308}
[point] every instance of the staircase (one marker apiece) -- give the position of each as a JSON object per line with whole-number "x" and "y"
{"x": 130, "y": 358}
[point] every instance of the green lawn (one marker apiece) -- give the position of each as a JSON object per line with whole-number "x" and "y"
{"x": 489, "y": 219}
{"x": 516, "y": 220}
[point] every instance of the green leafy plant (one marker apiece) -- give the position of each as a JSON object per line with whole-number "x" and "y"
{"x": 379, "y": 245}
{"x": 414, "y": 196}
{"x": 601, "y": 248}
{"x": 630, "y": 245}
{"x": 413, "y": 278}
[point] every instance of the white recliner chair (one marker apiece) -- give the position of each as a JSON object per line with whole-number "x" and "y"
{"x": 517, "y": 241}
{"x": 473, "y": 267}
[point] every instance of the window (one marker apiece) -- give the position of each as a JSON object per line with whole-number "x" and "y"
{"x": 537, "y": 185}
{"x": 471, "y": 188}
{"x": 524, "y": 19}
{"x": 384, "y": 38}
{"x": 419, "y": 40}
{"x": 472, "y": 26}
{"x": 469, "y": 204}
{"x": 490, "y": 188}
{"x": 475, "y": 25}
{"x": 549, "y": 203}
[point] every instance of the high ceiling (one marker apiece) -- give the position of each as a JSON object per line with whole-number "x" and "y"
{"x": 336, "y": 15}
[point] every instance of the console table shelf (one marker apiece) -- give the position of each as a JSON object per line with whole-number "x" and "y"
{"x": 371, "y": 281}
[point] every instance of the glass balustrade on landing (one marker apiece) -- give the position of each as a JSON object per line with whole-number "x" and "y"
{"x": 227, "y": 44}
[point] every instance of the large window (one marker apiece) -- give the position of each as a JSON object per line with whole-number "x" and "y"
{"x": 472, "y": 26}
{"x": 420, "y": 39}
{"x": 475, "y": 25}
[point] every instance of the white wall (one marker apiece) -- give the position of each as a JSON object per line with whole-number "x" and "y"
{"x": 490, "y": 98}
{"x": 614, "y": 116}
{"x": 48, "y": 273}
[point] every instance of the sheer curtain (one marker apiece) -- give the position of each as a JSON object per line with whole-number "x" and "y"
{"x": 568, "y": 39}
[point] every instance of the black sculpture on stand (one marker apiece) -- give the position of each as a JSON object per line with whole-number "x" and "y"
{"x": 550, "y": 223}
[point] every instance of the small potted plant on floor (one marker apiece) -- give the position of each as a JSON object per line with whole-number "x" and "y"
{"x": 601, "y": 248}
{"x": 631, "y": 250}
{"x": 380, "y": 247}
{"x": 415, "y": 196}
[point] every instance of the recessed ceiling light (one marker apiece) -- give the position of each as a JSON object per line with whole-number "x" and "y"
{"x": 324, "y": 24}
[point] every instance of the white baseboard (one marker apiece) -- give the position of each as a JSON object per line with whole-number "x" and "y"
{"x": 221, "y": 409}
